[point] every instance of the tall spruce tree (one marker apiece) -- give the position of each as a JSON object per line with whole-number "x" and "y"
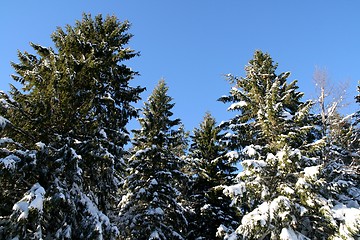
{"x": 279, "y": 190}
{"x": 72, "y": 109}
{"x": 151, "y": 208}
{"x": 210, "y": 168}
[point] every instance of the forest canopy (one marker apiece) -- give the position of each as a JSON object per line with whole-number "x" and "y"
{"x": 70, "y": 167}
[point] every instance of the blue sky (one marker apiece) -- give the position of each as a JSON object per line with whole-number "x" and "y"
{"x": 193, "y": 44}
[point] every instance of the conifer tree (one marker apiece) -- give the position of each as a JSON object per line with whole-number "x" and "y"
{"x": 151, "y": 208}
{"x": 73, "y": 107}
{"x": 341, "y": 171}
{"x": 267, "y": 104}
{"x": 280, "y": 189}
{"x": 210, "y": 169}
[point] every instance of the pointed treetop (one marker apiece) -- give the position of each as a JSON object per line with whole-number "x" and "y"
{"x": 158, "y": 109}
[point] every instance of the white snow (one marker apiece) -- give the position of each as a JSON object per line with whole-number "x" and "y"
{"x": 100, "y": 220}
{"x": 265, "y": 192}
{"x": 234, "y": 89}
{"x": 235, "y": 190}
{"x": 154, "y": 182}
{"x": 159, "y": 211}
{"x": 103, "y": 133}
{"x": 67, "y": 232}
{"x": 107, "y": 96}
{"x": 205, "y": 207}
{"x": 347, "y": 118}
{"x": 250, "y": 150}
{"x": 74, "y": 154}
{"x": 311, "y": 172}
{"x": 301, "y": 209}
{"x": 266, "y": 213}
{"x": 237, "y": 105}
{"x": 39, "y": 198}
{"x": 5, "y": 140}
{"x": 10, "y": 161}
{"x": 3, "y": 122}
{"x": 33, "y": 199}
{"x": 270, "y": 157}
{"x": 40, "y": 145}
{"x": 319, "y": 142}
{"x": 290, "y": 234}
{"x": 232, "y": 155}
{"x": 254, "y": 163}
{"x": 221, "y": 230}
{"x": 228, "y": 135}
{"x": 280, "y": 207}
{"x": 286, "y": 115}
{"x": 289, "y": 190}
{"x": 310, "y": 202}
{"x": 156, "y": 211}
{"x": 140, "y": 152}
{"x": 281, "y": 155}
{"x": 142, "y": 191}
{"x": 154, "y": 235}
{"x": 349, "y": 219}
{"x": 258, "y": 216}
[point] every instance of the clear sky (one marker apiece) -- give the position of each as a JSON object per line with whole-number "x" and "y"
{"x": 193, "y": 44}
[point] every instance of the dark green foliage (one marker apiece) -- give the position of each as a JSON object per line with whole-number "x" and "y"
{"x": 73, "y": 106}
{"x": 67, "y": 92}
{"x": 151, "y": 209}
{"x": 210, "y": 169}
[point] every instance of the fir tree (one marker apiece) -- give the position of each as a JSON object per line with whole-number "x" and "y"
{"x": 280, "y": 189}
{"x": 151, "y": 208}
{"x": 210, "y": 168}
{"x": 73, "y": 107}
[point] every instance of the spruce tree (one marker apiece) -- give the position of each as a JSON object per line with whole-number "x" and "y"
{"x": 280, "y": 188}
{"x": 266, "y": 101}
{"x": 151, "y": 208}
{"x": 341, "y": 171}
{"x": 210, "y": 168}
{"x": 72, "y": 109}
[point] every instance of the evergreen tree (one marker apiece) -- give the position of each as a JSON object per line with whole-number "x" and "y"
{"x": 151, "y": 208}
{"x": 267, "y": 104}
{"x": 280, "y": 189}
{"x": 210, "y": 168}
{"x": 73, "y": 108}
{"x": 341, "y": 171}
